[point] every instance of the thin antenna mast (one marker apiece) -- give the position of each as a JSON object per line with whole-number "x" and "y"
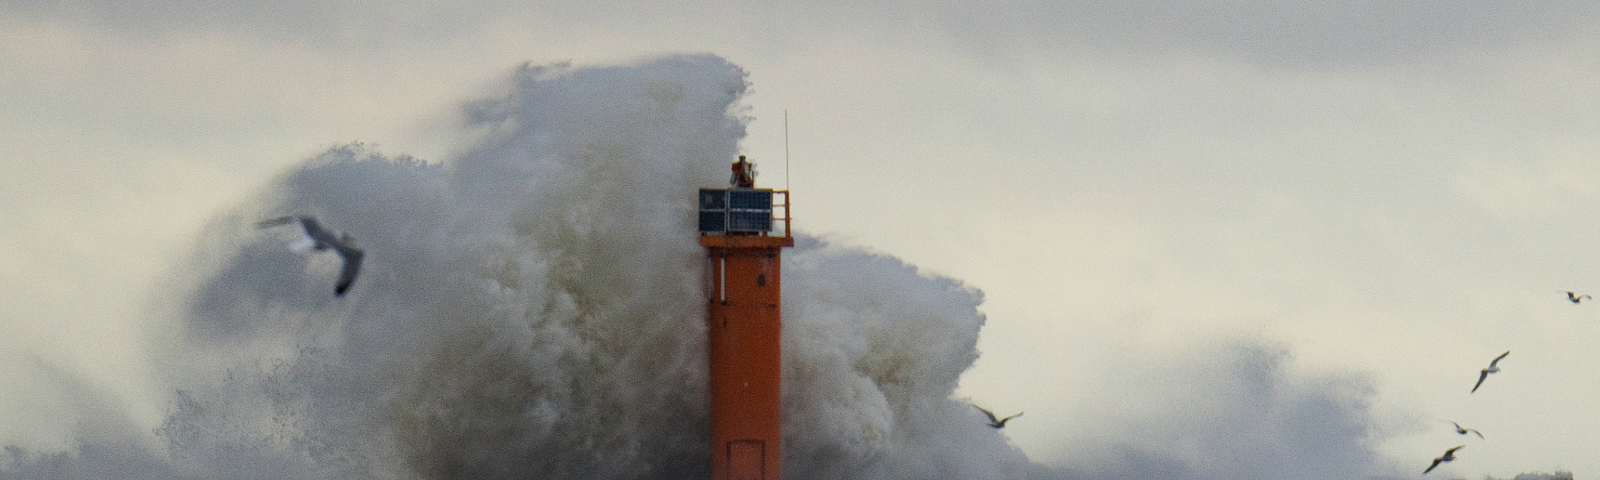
{"x": 785, "y": 149}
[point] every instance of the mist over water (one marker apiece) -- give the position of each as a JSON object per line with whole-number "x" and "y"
{"x": 533, "y": 307}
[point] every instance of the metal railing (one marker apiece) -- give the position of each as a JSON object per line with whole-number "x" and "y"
{"x": 788, "y": 221}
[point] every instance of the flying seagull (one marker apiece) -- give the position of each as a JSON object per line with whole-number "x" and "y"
{"x": 1463, "y": 431}
{"x": 319, "y": 238}
{"x": 1575, "y": 298}
{"x": 1492, "y": 369}
{"x": 1448, "y": 456}
{"x": 994, "y": 422}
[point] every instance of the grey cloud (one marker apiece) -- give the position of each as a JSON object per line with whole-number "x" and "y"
{"x": 1278, "y": 34}
{"x": 1266, "y": 33}
{"x": 1239, "y": 410}
{"x": 1544, "y": 476}
{"x": 340, "y": 24}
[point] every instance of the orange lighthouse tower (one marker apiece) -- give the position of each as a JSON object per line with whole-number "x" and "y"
{"x": 745, "y": 319}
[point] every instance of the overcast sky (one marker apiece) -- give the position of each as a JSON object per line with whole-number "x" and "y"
{"x": 1397, "y": 191}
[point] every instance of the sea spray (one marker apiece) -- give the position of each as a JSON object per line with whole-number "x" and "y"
{"x": 873, "y": 350}
{"x": 535, "y": 307}
{"x": 532, "y": 307}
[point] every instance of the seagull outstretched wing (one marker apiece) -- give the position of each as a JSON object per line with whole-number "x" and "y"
{"x": 347, "y": 274}
{"x": 1492, "y": 368}
{"x": 1463, "y": 431}
{"x": 1482, "y": 374}
{"x": 1004, "y": 420}
{"x": 1436, "y": 463}
{"x": 993, "y": 421}
{"x": 322, "y": 239}
{"x": 274, "y": 222}
{"x": 991, "y": 415}
{"x": 1448, "y": 456}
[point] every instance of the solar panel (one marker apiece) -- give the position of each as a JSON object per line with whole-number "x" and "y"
{"x": 750, "y": 199}
{"x": 738, "y": 210}
{"x": 713, "y": 198}
{"x": 751, "y": 221}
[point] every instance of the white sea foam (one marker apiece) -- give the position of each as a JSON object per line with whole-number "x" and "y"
{"x": 532, "y": 307}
